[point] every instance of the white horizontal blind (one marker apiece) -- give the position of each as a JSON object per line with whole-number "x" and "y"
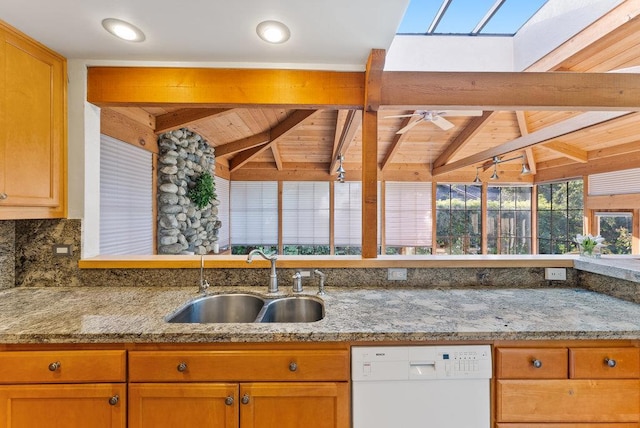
{"x": 348, "y": 213}
{"x": 615, "y": 183}
{"x": 408, "y": 214}
{"x": 305, "y": 213}
{"x": 126, "y": 205}
{"x": 222, "y": 195}
{"x": 254, "y": 205}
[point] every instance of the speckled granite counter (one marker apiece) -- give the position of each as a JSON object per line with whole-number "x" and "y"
{"x": 136, "y": 315}
{"x": 621, "y": 267}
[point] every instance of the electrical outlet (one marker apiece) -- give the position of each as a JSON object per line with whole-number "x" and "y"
{"x": 305, "y": 273}
{"x": 397, "y": 274}
{"x": 555, "y": 274}
{"x": 62, "y": 250}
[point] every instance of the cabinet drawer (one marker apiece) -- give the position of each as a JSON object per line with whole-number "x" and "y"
{"x": 604, "y": 363}
{"x": 532, "y": 363}
{"x": 568, "y": 401}
{"x": 236, "y": 366}
{"x": 62, "y": 366}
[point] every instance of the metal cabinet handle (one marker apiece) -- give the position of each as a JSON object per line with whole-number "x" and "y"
{"x": 293, "y": 366}
{"x": 229, "y": 400}
{"x": 54, "y": 366}
{"x": 610, "y": 362}
{"x": 182, "y": 367}
{"x": 3, "y": 196}
{"x": 536, "y": 363}
{"x": 114, "y": 400}
{"x": 245, "y": 399}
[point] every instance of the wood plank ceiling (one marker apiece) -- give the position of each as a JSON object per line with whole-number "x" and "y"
{"x": 270, "y": 143}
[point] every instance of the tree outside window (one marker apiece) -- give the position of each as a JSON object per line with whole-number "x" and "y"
{"x": 560, "y": 216}
{"x": 458, "y": 219}
{"x": 508, "y": 220}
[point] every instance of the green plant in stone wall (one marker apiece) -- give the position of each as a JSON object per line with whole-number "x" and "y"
{"x": 203, "y": 192}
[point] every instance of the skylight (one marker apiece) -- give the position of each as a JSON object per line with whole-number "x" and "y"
{"x": 468, "y": 17}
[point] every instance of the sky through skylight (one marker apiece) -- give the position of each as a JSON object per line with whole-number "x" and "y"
{"x": 463, "y": 16}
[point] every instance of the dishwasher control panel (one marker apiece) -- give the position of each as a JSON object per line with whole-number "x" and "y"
{"x": 376, "y": 363}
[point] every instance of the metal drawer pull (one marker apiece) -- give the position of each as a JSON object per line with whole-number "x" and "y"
{"x": 610, "y": 362}
{"x": 114, "y": 400}
{"x": 245, "y": 399}
{"x": 228, "y": 401}
{"x": 54, "y": 366}
{"x": 182, "y": 367}
{"x": 293, "y": 366}
{"x": 3, "y": 196}
{"x": 536, "y": 363}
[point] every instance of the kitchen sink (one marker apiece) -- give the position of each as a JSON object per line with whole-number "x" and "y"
{"x": 294, "y": 309}
{"x": 218, "y": 309}
{"x": 248, "y": 308}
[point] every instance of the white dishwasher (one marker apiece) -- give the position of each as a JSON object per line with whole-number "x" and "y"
{"x": 421, "y": 386}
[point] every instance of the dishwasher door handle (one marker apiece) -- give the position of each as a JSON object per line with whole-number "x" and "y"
{"x": 422, "y": 363}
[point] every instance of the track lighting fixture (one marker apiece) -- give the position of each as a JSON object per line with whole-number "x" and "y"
{"x": 340, "y": 169}
{"x": 477, "y": 179}
{"x": 496, "y": 160}
{"x": 495, "y": 175}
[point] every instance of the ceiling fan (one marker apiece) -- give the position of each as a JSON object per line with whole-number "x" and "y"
{"x": 435, "y": 117}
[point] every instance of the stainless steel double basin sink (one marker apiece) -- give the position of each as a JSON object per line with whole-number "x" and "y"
{"x": 249, "y": 308}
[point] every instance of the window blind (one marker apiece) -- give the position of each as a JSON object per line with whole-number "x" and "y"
{"x": 348, "y": 213}
{"x": 408, "y": 214}
{"x": 305, "y": 213}
{"x": 222, "y": 194}
{"x": 254, "y": 205}
{"x": 126, "y": 205}
{"x": 615, "y": 183}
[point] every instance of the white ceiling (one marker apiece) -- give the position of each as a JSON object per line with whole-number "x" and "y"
{"x": 336, "y": 34}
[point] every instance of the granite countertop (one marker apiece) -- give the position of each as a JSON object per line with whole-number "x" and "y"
{"x": 136, "y": 315}
{"x": 621, "y": 267}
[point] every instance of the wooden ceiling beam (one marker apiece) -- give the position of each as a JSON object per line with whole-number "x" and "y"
{"x": 567, "y": 150}
{"x": 276, "y": 156}
{"x": 596, "y": 166}
{"x": 395, "y": 144}
{"x": 568, "y": 126}
{"x": 185, "y": 117}
{"x": 474, "y": 126}
{"x": 617, "y": 17}
{"x": 351, "y": 125}
{"x": 243, "y": 144}
{"x": 511, "y": 91}
{"x": 524, "y": 130}
{"x": 281, "y": 130}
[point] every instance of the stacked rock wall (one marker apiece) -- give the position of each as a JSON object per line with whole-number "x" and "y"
{"x": 182, "y": 227}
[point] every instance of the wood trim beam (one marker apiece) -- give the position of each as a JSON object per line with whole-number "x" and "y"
{"x": 373, "y": 79}
{"x": 217, "y": 87}
{"x": 341, "y": 120}
{"x": 281, "y": 130}
{"x": 474, "y": 126}
{"x": 511, "y": 91}
{"x": 185, "y": 117}
{"x": 524, "y": 130}
{"x": 567, "y": 150}
{"x": 352, "y": 123}
{"x": 568, "y": 126}
{"x": 276, "y": 156}
{"x": 612, "y": 202}
{"x": 608, "y": 23}
{"x": 123, "y": 128}
{"x": 243, "y": 144}
{"x": 596, "y": 166}
{"x": 395, "y": 144}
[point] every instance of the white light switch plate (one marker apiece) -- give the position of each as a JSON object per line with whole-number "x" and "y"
{"x": 555, "y": 274}
{"x": 397, "y": 274}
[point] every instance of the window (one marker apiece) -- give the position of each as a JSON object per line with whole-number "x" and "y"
{"x": 408, "y": 218}
{"x": 305, "y": 217}
{"x": 560, "y": 216}
{"x": 617, "y": 230}
{"x": 254, "y": 223}
{"x": 222, "y": 195}
{"x": 458, "y": 219}
{"x": 508, "y": 220}
{"x": 348, "y": 218}
{"x": 126, "y": 205}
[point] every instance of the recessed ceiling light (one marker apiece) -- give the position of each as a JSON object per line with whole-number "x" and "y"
{"x": 123, "y": 30}
{"x": 273, "y": 31}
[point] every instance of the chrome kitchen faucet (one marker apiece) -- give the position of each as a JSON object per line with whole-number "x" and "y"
{"x": 273, "y": 278}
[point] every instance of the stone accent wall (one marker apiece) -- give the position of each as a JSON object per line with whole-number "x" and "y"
{"x": 182, "y": 227}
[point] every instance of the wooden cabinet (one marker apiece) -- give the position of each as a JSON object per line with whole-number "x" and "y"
{"x": 245, "y": 388}
{"x": 65, "y": 389}
{"x": 567, "y": 386}
{"x": 32, "y": 128}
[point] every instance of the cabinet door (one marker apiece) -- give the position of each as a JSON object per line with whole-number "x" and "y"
{"x": 294, "y": 405}
{"x": 183, "y": 405}
{"x": 32, "y": 128}
{"x": 63, "y": 406}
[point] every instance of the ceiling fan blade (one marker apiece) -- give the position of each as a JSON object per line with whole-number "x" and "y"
{"x": 454, "y": 113}
{"x": 442, "y": 123}
{"x": 403, "y": 115}
{"x": 409, "y": 126}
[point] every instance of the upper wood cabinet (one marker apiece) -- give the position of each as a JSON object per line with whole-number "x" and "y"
{"x": 33, "y": 128}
